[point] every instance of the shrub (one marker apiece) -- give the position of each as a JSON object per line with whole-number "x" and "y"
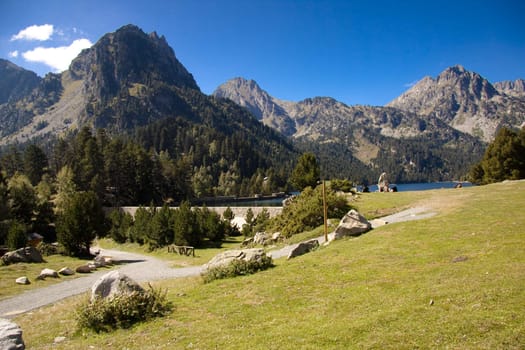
{"x": 237, "y": 268}
{"x": 122, "y": 310}
{"x": 305, "y": 212}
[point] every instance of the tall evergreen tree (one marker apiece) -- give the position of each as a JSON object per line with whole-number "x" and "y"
{"x": 80, "y": 222}
{"x": 35, "y": 163}
{"x": 306, "y": 172}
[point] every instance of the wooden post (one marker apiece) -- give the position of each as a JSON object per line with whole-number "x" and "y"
{"x": 325, "y": 213}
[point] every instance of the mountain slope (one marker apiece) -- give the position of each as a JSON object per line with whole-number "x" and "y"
{"x": 361, "y": 141}
{"x": 131, "y": 84}
{"x": 465, "y": 101}
{"x": 15, "y": 81}
{"x": 269, "y": 110}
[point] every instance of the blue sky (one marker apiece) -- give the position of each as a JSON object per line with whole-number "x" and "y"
{"x": 359, "y": 52}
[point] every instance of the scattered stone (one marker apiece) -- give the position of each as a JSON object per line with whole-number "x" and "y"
{"x": 47, "y": 273}
{"x": 102, "y": 261}
{"x": 59, "y": 340}
{"x": 226, "y": 257}
{"x": 114, "y": 283}
{"x": 352, "y": 224}
{"x": 66, "y": 271}
{"x": 247, "y": 242}
{"x": 276, "y": 236}
{"x": 459, "y": 259}
{"x": 27, "y": 255}
{"x": 10, "y": 336}
{"x": 83, "y": 269}
{"x": 22, "y": 280}
{"x": 303, "y": 248}
{"x": 92, "y": 266}
{"x": 431, "y": 302}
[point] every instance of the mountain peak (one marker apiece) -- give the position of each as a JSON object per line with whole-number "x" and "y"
{"x": 130, "y": 56}
{"x": 464, "y": 100}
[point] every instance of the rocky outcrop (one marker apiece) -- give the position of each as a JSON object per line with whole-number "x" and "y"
{"x": 10, "y": 336}
{"x": 114, "y": 283}
{"x": 352, "y": 224}
{"x": 23, "y": 255}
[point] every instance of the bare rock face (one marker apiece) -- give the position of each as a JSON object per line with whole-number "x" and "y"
{"x": 466, "y": 101}
{"x": 10, "y": 336}
{"x": 303, "y": 248}
{"x": 227, "y": 257}
{"x": 114, "y": 283}
{"x": 352, "y": 224}
{"x": 27, "y": 255}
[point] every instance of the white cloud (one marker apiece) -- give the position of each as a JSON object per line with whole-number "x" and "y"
{"x": 35, "y": 32}
{"x": 58, "y": 58}
{"x": 13, "y": 54}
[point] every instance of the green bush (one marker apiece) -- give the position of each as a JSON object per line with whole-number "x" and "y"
{"x": 122, "y": 310}
{"x": 237, "y": 268}
{"x": 305, "y": 212}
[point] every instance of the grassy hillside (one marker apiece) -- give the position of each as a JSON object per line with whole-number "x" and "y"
{"x": 453, "y": 281}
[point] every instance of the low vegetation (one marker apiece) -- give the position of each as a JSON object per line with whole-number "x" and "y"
{"x": 122, "y": 310}
{"x": 236, "y": 268}
{"x": 452, "y": 281}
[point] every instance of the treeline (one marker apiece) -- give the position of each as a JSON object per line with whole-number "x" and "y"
{"x": 504, "y": 159}
{"x": 121, "y": 171}
{"x": 159, "y": 227}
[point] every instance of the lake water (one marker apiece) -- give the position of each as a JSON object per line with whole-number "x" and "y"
{"x": 277, "y": 202}
{"x": 423, "y": 186}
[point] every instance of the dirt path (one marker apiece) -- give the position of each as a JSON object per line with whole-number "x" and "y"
{"x": 145, "y": 268}
{"x": 139, "y": 267}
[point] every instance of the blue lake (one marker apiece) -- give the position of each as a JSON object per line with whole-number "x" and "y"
{"x": 423, "y": 186}
{"x": 277, "y": 202}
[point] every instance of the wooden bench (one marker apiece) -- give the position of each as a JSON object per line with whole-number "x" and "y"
{"x": 181, "y": 250}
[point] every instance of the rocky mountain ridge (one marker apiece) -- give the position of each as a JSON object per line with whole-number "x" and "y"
{"x": 466, "y": 101}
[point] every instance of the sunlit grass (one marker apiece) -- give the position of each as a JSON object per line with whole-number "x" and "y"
{"x": 452, "y": 281}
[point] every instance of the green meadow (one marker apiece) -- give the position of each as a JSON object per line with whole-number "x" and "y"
{"x": 453, "y": 281}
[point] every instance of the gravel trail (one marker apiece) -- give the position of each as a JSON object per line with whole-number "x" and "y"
{"x": 139, "y": 267}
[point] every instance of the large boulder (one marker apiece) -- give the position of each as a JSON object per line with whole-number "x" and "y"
{"x": 227, "y": 257}
{"x": 27, "y": 255}
{"x": 114, "y": 283}
{"x": 303, "y": 248}
{"x": 10, "y": 336}
{"x": 352, "y": 224}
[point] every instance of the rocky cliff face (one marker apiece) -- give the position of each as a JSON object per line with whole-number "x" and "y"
{"x": 464, "y": 100}
{"x": 269, "y": 110}
{"x": 512, "y": 88}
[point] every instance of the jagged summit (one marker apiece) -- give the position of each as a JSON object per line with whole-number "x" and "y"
{"x": 130, "y": 56}
{"x": 463, "y": 99}
{"x": 247, "y": 93}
